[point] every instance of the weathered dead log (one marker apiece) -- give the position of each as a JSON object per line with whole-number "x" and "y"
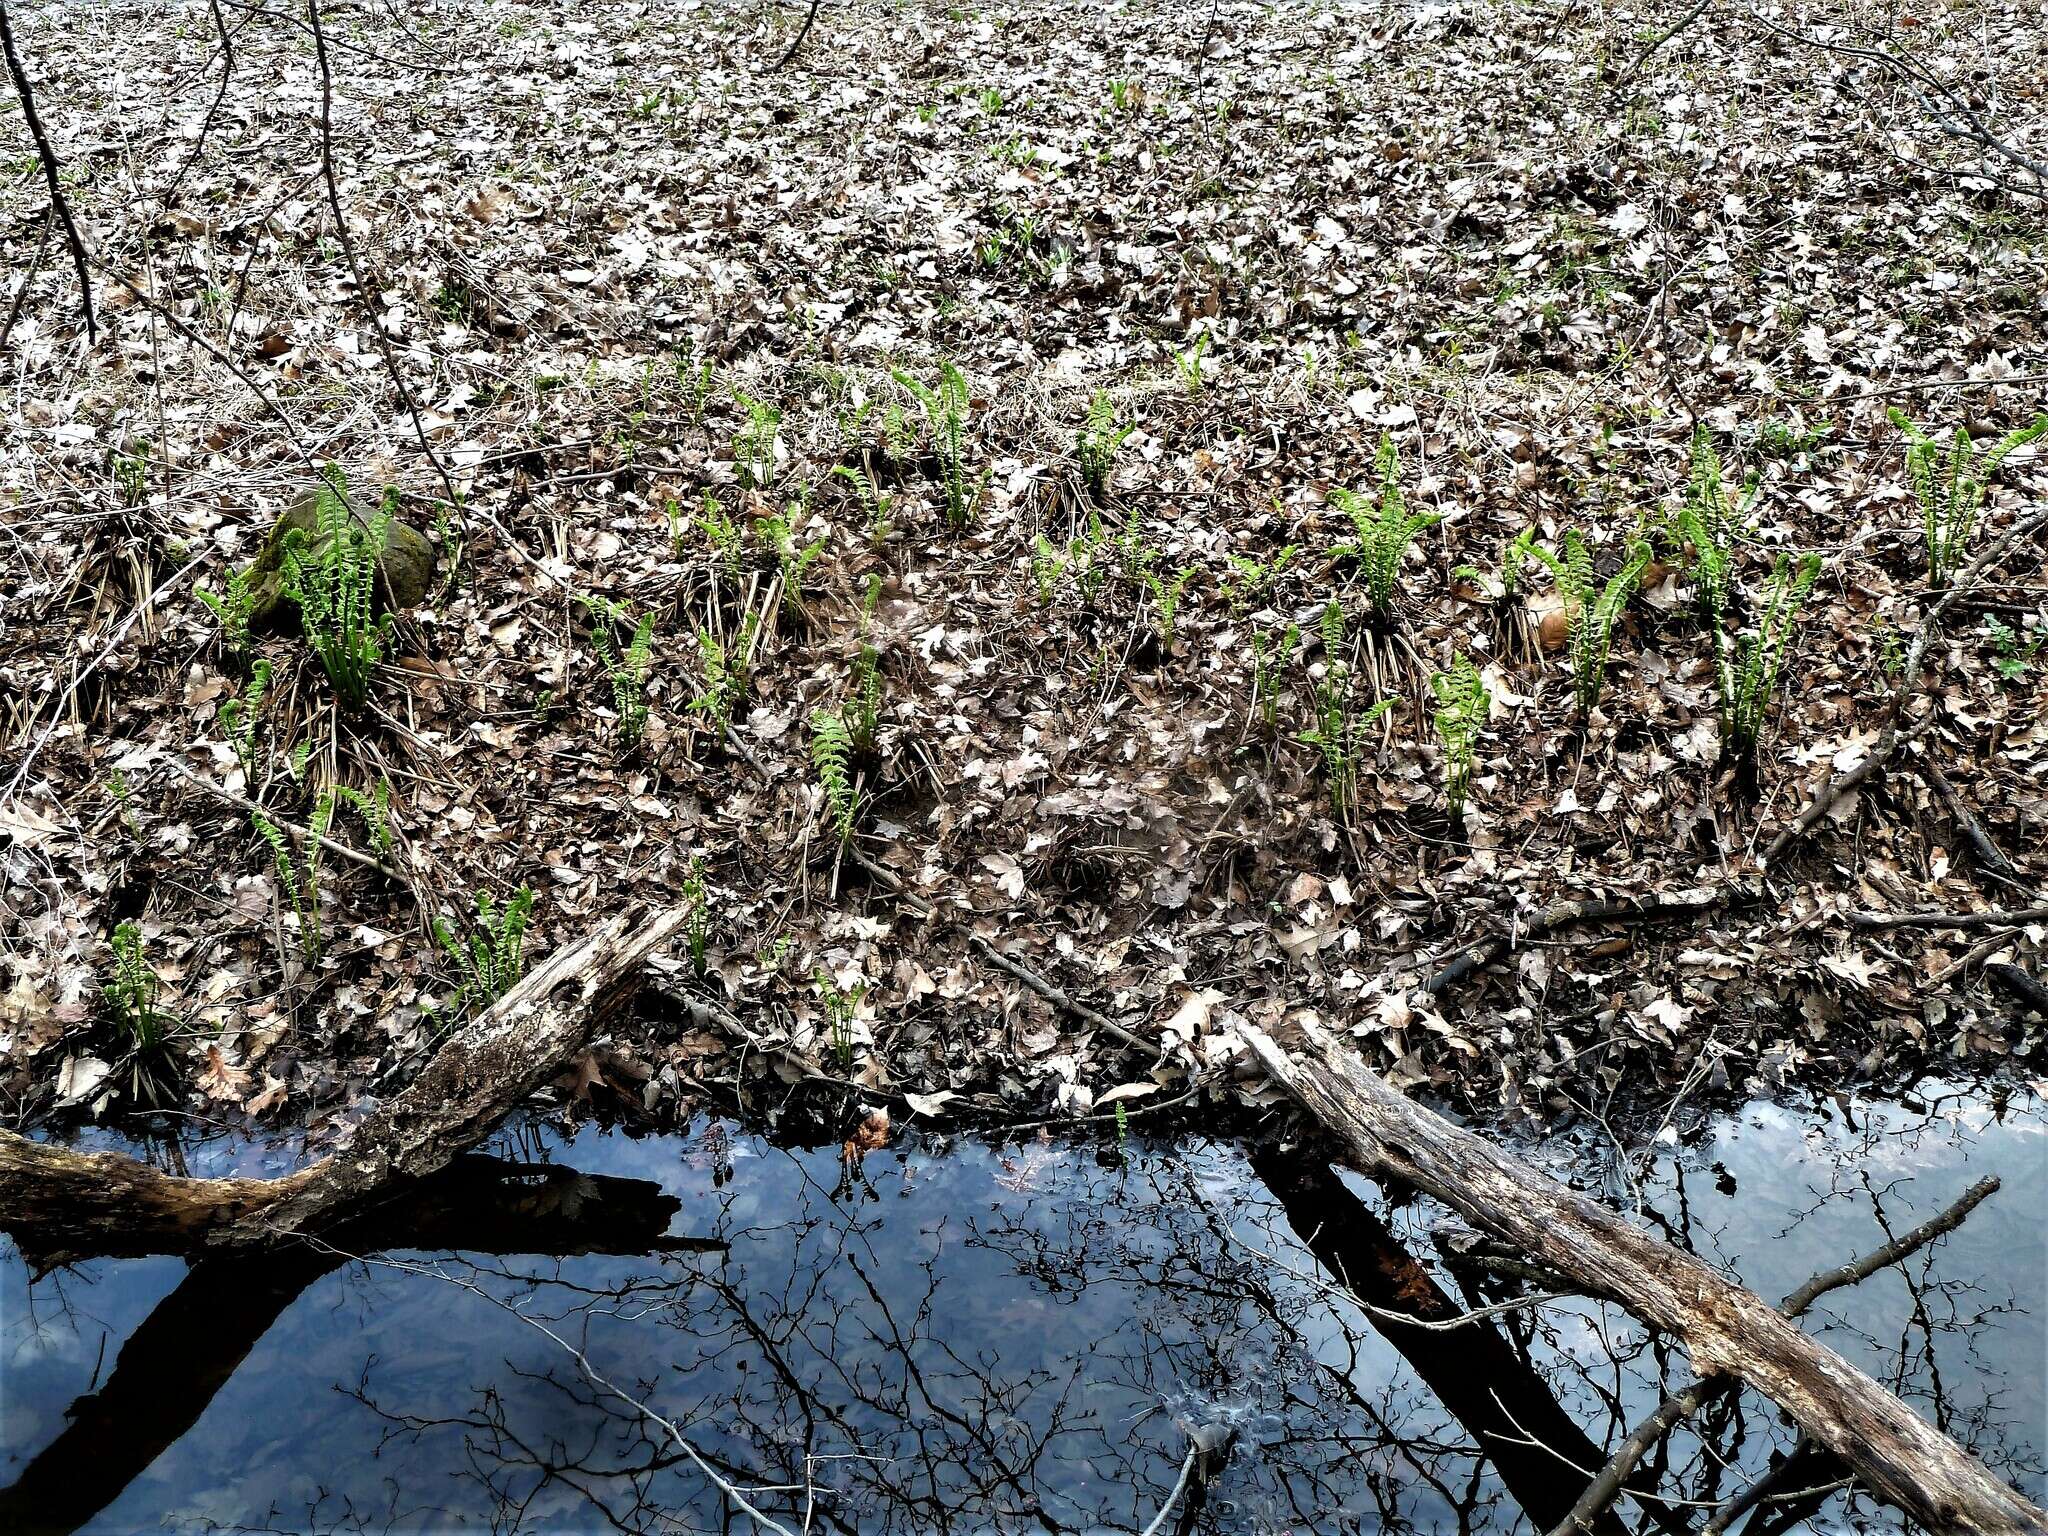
{"x": 1688, "y": 1400}
{"x": 62, "y": 1205}
{"x": 1725, "y": 1328}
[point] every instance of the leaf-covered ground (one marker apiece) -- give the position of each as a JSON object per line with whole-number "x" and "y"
{"x": 588, "y": 236}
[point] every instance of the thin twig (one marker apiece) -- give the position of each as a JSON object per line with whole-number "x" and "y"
{"x": 355, "y": 266}
{"x": 803, "y": 32}
{"x": 1566, "y": 914}
{"x": 1759, "y": 1490}
{"x": 1991, "y": 859}
{"x": 1058, "y": 998}
{"x": 1895, "y": 735}
{"x": 162, "y": 590}
{"x": 1643, "y": 56}
{"x": 1009, "y": 966}
{"x": 590, "y": 1373}
{"x": 1187, "y": 1469}
{"x": 28, "y": 280}
{"x": 298, "y": 834}
{"x": 1404, "y": 1319}
{"x": 1916, "y": 77}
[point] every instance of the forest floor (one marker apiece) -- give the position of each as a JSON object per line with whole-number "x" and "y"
{"x": 625, "y": 267}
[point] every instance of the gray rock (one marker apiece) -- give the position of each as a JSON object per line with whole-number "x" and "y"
{"x": 404, "y": 572}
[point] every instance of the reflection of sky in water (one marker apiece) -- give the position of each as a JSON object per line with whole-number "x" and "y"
{"x": 982, "y": 1331}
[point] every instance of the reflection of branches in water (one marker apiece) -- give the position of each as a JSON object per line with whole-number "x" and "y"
{"x": 1879, "y": 1161}
{"x": 1001, "y": 1354}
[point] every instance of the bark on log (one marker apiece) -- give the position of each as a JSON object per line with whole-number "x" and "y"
{"x": 62, "y": 1205}
{"x": 1725, "y": 1328}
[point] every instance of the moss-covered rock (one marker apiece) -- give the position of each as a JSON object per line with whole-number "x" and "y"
{"x": 404, "y": 572}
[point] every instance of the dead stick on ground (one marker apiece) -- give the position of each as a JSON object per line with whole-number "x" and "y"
{"x": 1687, "y": 1401}
{"x": 1957, "y": 920}
{"x": 157, "y": 595}
{"x": 2020, "y": 984}
{"x": 802, "y": 32}
{"x": 297, "y": 833}
{"x": 1567, "y": 914}
{"x": 28, "y": 279}
{"x": 1991, "y": 859}
{"x": 1909, "y": 679}
{"x": 1004, "y": 963}
{"x": 1725, "y": 1328}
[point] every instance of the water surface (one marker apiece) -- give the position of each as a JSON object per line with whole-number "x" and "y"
{"x": 961, "y": 1334}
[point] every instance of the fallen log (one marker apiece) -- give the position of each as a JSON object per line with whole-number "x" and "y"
{"x": 62, "y": 1205}
{"x": 1681, "y": 1405}
{"x": 1724, "y": 1327}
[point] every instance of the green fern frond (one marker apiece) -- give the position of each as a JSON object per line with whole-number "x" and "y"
{"x": 1383, "y": 529}
{"x": 832, "y": 754}
{"x": 1951, "y": 488}
{"x": 492, "y": 958}
{"x": 1747, "y": 665}
{"x": 627, "y": 673}
{"x": 333, "y": 581}
{"x": 1462, "y": 703}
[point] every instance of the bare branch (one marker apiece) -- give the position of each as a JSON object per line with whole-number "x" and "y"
{"x": 47, "y": 156}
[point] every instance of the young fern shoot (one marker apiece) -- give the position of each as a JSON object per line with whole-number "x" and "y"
{"x": 1337, "y": 725}
{"x": 1462, "y": 703}
{"x": 1589, "y": 617}
{"x": 238, "y": 717}
{"x": 375, "y": 809}
{"x": 235, "y": 609}
{"x": 1048, "y": 565}
{"x": 722, "y": 533}
{"x": 874, "y": 503}
{"x": 627, "y": 672}
{"x": 1270, "y": 651}
{"x": 1250, "y": 580}
{"x": 1383, "y": 529}
{"x": 1589, "y": 632}
{"x": 301, "y": 884}
{"x": 131, "y": 1000}
{"x": 725, "y": 673}
{"x": 832, "y": 755}
{"x": 1095, "y": 448}
{"x": 1166, "y": 598}
{"x": 753, "y": 447}
{"x": 778, "y": 530}
{"x": 1712, "y": 519}
{"x": 1747, "y": 665}
{"x": 697, "y": 930}
{"x": 945, "y": 411}
{"x": 494, "y": 957}
{"x": 862, "y": 712}
{"x": 333, "y": 580}
{"x": 1950, "y": 488}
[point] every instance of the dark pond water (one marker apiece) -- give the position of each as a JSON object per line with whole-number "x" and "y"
{"x": 959, "y": 1335}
